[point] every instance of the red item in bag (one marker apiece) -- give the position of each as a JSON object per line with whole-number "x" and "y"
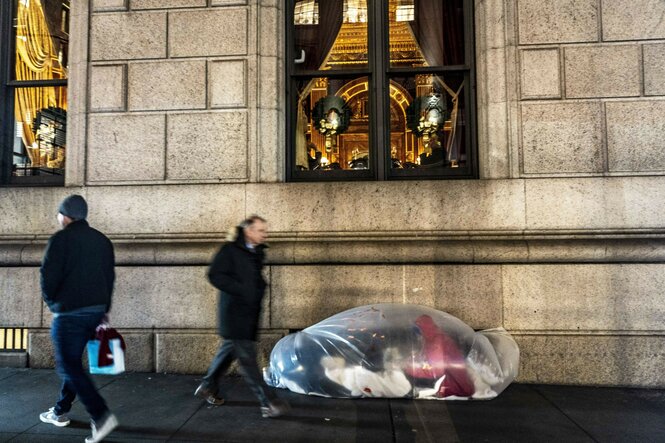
{"x": 104, "y": 333}
{"x": 441, "y": 356}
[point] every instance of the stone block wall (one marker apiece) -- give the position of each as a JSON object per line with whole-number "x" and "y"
{"x": 579, "y": 324}
{"x": 175, "y": 94}
{"x": 176, "y": 132}
{"x": 590, "y": 96}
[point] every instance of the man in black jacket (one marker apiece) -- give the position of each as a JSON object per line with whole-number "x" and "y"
{"x": 77, "y": 276}
{"x": 236, "y": 272}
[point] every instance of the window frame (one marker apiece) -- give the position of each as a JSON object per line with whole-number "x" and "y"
{"x": 379, "y": 74}
{"x": 8, "y": 86}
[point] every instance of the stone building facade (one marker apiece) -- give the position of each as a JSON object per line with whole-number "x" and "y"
{"x": 560, "y": 240}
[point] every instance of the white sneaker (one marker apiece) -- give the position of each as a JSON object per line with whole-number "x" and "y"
{"x": 101, "y": 430}
{"x": 50, "y": 417}
{"x": 275, "y": 408}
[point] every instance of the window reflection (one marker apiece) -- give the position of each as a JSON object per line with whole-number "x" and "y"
{"x": 427, "y": 127}
{"x": 333, "y": 124}
{"x": 423, "y": 102}
{"x": 42, "y": 38}
{"x": 426, "y": 32}
{"x": 41, "y": 131}
{"x": 330, "y": 34}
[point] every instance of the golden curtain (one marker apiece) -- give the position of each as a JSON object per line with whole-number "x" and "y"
{"x": 36, "y": 59}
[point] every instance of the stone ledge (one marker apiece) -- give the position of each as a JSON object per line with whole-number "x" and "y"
{"x": 535, "y": 247}
{"x": 139, "y": 356}
{"x": 192, "y": 352}
{"x": 13, "y": 359}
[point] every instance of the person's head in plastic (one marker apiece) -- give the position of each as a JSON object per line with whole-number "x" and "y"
{"x": 71, "y": 209}
{"x": 255, "y": 229}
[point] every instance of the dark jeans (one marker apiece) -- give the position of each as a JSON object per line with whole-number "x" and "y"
{"x": 70, "y": 334}
{"x": 245, "y": 352}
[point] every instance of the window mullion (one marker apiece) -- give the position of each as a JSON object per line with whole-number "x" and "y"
{"x": 36, "y": 83}
{"x": 5, "y": 102}
{"x": 378, "y": 43}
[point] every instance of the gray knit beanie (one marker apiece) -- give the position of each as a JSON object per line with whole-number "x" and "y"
{"x": 74, "y": 207}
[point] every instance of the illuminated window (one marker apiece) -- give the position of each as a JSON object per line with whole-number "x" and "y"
{"x": 404, "y": 11}
{"x": 355, "y": 11}
{"x": 35, "y": 44}
{"x": 367, "y": 106}
{"x": 13, "y": 339}
{"x": 306, "y": 12}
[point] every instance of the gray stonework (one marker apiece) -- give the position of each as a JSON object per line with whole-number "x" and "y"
{"x": 124, "y": 147}
{"x": 389, "y": 206}
{"x": 40, "y": 349}
{"x": 132, "y": 35}
{"x": 227, "y": 83}
{"x": 635, "y": 135}
{"x": 540, "y": 73}
{"x": 109, "y": 5}
{"x": 633, "y": 19}
{"x": 108, "y": 88}
{"x": 654, "y": 69}
{"x": 591, "y": 359}
{"x": 562, "y": 137}
{"x": 602, "y": 71}
{"x": 208, "y": 33}
{"x": 191, "y": 353}
{"x": 197, "y": 152}
{"x": 607, "y": 297}
{"x": 177, "y": 132}
{"x": 150, "y": 210}
{"x": 557, "y": 21}
{"x": 20, "y": 303}
{"x": 167, "y": 85}
{"x": 227, "y": 2}
{"x": 162, "y": 4}
{"x": 587, "y": 204}
{"x": 139, "y": 354}
{"x": 13, "y": 359}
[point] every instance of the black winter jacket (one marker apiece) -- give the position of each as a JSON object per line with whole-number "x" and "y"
{"x": 236, "y": 272}
{"x": 78, "y": 269}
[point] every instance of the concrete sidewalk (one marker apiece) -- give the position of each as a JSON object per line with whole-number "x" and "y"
{"x": 159, "y": 408}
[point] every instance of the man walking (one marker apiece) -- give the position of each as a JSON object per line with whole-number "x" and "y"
{"x": 236, "y": 272}
{"x": 77, "y": 276}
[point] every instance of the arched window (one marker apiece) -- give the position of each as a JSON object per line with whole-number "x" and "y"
{"x": 34, "y": 54}
{"x": 380, "y": 90}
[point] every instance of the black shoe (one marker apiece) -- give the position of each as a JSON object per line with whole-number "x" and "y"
{"x": 208, "y": 396}
{"x": 275, "y": 409}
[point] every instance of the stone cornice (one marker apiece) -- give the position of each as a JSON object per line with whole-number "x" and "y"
{"x": 490, "y": 247}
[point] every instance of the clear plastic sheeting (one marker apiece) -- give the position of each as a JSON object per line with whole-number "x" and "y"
{"x": 394, "y": 350}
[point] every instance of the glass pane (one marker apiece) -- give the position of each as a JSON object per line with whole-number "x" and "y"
{"x": 426, "y": 32}
{"x": 42, "y": 39}
{"x": 330, "y": 34}
{"x": 332, "y": 124}
{"x": 427, "y": 122}
{"x": 40, "y": 132}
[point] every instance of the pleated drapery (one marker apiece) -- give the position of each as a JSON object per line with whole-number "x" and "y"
{"x": 36, "y": 59}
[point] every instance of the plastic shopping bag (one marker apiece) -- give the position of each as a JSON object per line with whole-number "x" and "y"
{"x": 106, "y": 353}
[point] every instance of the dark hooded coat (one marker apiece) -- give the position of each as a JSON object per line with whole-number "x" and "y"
{"x": 236, "y": 272}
